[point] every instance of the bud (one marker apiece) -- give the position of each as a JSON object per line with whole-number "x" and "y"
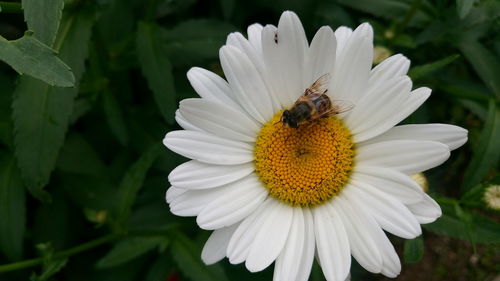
{"x": 380, "y": 53}
{"x": 492, "y": 197}
{"x": 422, "y": 181}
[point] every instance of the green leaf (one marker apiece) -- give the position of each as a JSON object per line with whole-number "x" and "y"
{"x": 160, "y": 269}
{"x": 41, "y": 113}
{"x": 487, "y": 152}
{"x": 133, "y": 180}
{"x": 474, "y": 196}
{"x": 114, "y": 117}
{"x": 227, "y": 8}
{"x": 194, "y": 41}
{"x": 29, "y": 56}
{"x": 187, "y": 256}
{"x": 485, "y": 63}
{"x": 414, "y": 249}
{"x": 77, "y": 147}
{"x": 483, "y": 230}
{"x": 463, "y": 7}
{"x": 52, "y": 222}
{"x": 12, "y": 209}
{"x": 157, "y": 69}
{"x": 466, "y": 219}
{"x": 128, "y": 249}
{"x": 89, "y": 191}
{"x": 422, "y": 70}
{"x": 43, "y": 17}
{"x": 388, "y": 9}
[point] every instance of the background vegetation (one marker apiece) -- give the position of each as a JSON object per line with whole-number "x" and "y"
{"x": 83, "y": 173}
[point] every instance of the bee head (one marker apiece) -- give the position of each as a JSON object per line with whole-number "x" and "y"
{"x": 288, "y": 119}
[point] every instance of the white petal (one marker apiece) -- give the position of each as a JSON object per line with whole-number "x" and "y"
{"x": 363, "y": 234}
{"x": 186, "y": 125}
{"x": 353, "y": 66}
{"x": 406, "y": 156}
{"x": 321, "y": 55}
{"x": 394, "y": 66}
{"x": 414, "y": 101}
{"x": 390, "y": 264}
{"x": 208, "y": 148}
{"x": 238, "y": 41}
{"x": 390, "y": 182}
{"x": 284, "y": 51}
{"x": 191, "y": 202}
{"x": 376, "y": 106}
{"x": 426, "y": 211}
{"x": 331, "y": 242}
{"x": 389, "y": 213}
{"x": 307, "y": 257}
{"x": 342, "y": 34}
{"x": 241, "y": 199}
{"x": 246, "y": 83}
{"x": 287, "y": 263}
{"x": 216, "y": 245}
{"x": 211, "y": 86}
{"x": 254, "y": 32}
{"x": 452, "y": 136}
{"x": 198, "y": 175}
{"x": 240, "y": 243}
{"x": 219, "y": 119}
{"x": 270, "y": 238}
{"x": 172, "y": 193}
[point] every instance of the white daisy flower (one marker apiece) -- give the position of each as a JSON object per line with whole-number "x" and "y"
{"x": 329, "y": 188}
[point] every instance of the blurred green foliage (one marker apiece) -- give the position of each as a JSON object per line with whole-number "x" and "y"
{"x": 83, "y": 173}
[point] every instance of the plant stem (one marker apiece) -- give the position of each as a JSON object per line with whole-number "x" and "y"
{"x": 62, "y": 254}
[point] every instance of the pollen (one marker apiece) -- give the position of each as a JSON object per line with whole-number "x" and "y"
{"x": 306, "y": 166}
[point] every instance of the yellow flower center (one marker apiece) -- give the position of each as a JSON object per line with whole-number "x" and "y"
{"x": 305, "y": 166}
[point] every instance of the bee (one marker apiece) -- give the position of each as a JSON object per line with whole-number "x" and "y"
{"x": 314, "y": 104}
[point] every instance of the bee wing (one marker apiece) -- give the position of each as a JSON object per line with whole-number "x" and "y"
{"x": 320, "y": 86}
{"x": 341, "y": 106}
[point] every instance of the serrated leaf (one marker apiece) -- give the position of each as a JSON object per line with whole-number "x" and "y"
{"x": 12, "y": 208}
{"x": 187, "y": 257}
{"x": 133, "y": 180}
{"x": 485, "y": 63}
{"x": 128, "y": 249}
{"x": 114, "y": 117}
{"x": 422, "y": 70}
{"x": 414, "y": 249}
{"x": 487, "y": 152}
{"x": 43, "y": 17}
{"x": 156, "y": 67}
{"x": 29, "y": 56}
{"x": 463, "y": 7}
{"x": 41, "y": 113}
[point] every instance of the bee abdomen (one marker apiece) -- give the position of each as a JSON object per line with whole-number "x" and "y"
{"x": 302, "y": 111}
